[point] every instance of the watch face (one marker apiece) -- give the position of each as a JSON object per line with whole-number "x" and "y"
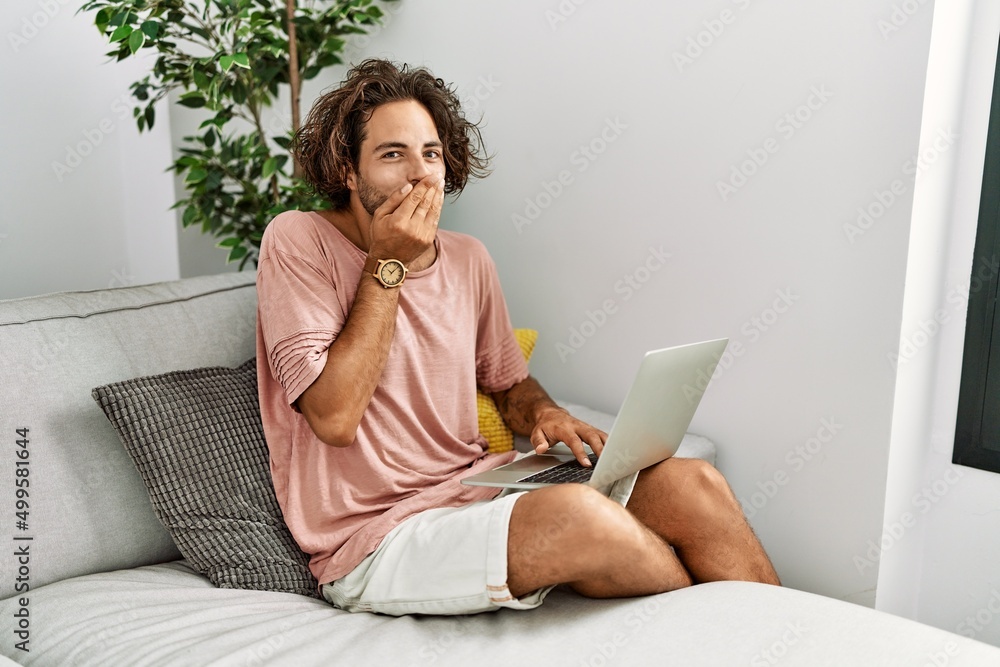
{"x": 391, "y": 272}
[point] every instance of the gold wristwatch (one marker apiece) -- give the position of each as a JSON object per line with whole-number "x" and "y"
{"x": 389, "y": 272}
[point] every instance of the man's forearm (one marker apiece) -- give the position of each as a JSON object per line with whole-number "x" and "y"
{"x": 529, "y": 411}
{"x": 335, "y": 402}
{"x": 522, "y": 405}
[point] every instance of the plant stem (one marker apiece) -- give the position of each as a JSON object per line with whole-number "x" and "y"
{"x": 293, "y": 77}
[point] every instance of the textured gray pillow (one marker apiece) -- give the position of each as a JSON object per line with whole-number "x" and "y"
{"x": 197, "y": 440}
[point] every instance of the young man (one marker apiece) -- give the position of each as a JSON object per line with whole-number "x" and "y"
{"x": 374, "y": 329}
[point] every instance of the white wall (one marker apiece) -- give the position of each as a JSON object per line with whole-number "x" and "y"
{"x": 548, "y": 88}
{"x": 84, "y": 196}
{"x": 941, "y": 568}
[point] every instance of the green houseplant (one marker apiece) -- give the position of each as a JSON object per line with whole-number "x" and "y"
{"x": 232, "y": 58}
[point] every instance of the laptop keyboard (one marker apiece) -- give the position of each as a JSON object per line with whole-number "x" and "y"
{"x": 571, "y": 471}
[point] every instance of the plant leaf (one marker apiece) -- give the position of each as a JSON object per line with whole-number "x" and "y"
{"x": 136, "y": 40}
{"x": 269, "y": 167}
{"x": 150, "y": 28}
{"x": 118, "y": 19}
{"x": 236, "y": 253}
{"x": 121, "y": 33}
{"x": 196, "y": 176}
{"x": 102, "y": 19}
{"x": 192, "y": 100}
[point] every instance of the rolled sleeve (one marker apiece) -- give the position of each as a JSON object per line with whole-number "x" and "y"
{"x": 499, "y": 361}
{"x": 300, "y": 318}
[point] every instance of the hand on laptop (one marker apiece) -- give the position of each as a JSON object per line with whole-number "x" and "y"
{"x": 556, "y": 425}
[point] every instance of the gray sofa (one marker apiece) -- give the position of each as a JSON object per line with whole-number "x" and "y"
{"x": 100, "y": 581}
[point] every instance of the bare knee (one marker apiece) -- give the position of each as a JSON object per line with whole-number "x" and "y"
{"x": 691, "y": 482}
{"x": 704, "y": 481}
{"x": 564, "y": 533}
{"x": 555, "y": 520}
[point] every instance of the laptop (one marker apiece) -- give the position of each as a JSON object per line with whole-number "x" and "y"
{"x": 648, "y": 429}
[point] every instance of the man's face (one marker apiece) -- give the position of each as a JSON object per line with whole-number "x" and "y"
{"x": 401, "y": 146}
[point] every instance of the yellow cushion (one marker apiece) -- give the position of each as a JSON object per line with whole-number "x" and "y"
{"x": 491, "y": 424}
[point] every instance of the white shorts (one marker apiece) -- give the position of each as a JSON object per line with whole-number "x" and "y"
{"x": 449, "y": 560}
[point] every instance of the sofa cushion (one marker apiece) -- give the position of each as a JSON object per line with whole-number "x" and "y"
{"x": 197, "y": 440}
{"x": 89, "y": 510}
{"x": 167, "y": 615}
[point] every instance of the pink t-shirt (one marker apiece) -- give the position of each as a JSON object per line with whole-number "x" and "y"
{"x": 420, "y": 433}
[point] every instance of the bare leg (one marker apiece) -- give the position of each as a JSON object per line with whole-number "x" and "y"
{"x": 572, "y": 534}
{"x": 689, "y": 504}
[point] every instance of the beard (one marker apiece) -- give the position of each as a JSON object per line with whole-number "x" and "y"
{"x": 370, "y": 196}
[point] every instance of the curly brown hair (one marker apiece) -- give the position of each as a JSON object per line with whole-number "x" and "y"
{"x": 328, "y": 144}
